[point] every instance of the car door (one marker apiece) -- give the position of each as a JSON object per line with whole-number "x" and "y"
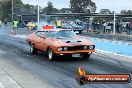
{"x": 40, "y": 41}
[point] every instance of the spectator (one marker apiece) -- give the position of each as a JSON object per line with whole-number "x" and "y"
{"x": 15, "y": 25}
{"x": 0, "y": 23}
{"x": 58, "y": 23}
{"x": 117, "y": 28}
{"x": 128, "y": 28}
{"x": 104, "y": 27}
{"x": 5, "y": 22}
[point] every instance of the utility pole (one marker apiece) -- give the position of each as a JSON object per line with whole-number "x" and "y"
{"x": 114, "y": 23}
{"x": 12, "y": 11}
{"x": 38, "y": 15}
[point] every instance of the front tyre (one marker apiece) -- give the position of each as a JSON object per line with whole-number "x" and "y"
{"x": 51, "y": 55}
{"x": 85, "y": 56}
{"x": 33, "y": 50}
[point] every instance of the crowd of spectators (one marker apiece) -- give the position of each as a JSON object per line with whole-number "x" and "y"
{"x": 107, "y": 27}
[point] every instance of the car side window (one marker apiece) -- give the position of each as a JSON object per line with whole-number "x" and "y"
{"x": 40, "y": 34}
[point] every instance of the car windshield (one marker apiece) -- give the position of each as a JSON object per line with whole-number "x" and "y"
{"x": 74, "y": 25}
{"x": 61, "y": 34}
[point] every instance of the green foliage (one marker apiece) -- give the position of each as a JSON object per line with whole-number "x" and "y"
{"x": 105, "y": 11}
{"x": 65, "y": 10}
{"x": 126, "y": 12}
{"x": 82, "y": 6}
{"x": 17, "y": 4}
{"x": 50, "y": 9}
{"x": 6, "y": 8}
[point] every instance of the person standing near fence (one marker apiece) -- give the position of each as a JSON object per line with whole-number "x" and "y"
{"x": 104, "y": 27}
{"x": 0, "y": 23}
{"x": 5, "y": 22}
{"x": 58, "y": 24}
{"x": 15, "y": 25}
{"x": 117, "y": 28}
{"x": 128, "y": 28}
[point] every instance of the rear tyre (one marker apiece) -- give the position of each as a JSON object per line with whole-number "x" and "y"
{"x": 51, "y": 55}
{"x": 85, "y": 56}
{"x": 33, "y": 50}
{"x": 80, "y": 32}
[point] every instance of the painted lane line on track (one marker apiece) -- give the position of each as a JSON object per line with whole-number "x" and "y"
{"x": 112, "y": 41}
{"x": 1, "y": 85}
{"x": 19, "y": 36}
{"x": 102, "y": 51}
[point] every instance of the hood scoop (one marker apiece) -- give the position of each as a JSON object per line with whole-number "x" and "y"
{"x": 72, "y": 41}
{"x": 68, "y": 41}
{"x": 79, "y": 41}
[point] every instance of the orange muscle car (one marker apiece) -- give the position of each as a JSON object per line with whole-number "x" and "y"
{"x": 60, "y": 43}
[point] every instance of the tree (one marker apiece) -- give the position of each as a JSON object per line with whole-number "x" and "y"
{"x": 105, "y": 11}
{"x": 17, "y": 5}
{"x": 82, "y": 6}
{"x": 29, "y": 9}
{"x": 55, "y": 10}
{"x": 126, "y": 12}
{"x": 50, "y": 9}
{"x": 6, "y": 8}
{"x": 65, "y": 10}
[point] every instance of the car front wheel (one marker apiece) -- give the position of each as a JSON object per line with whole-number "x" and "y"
{"x": 33, "y": 50}
{"x": 51, "y": 55}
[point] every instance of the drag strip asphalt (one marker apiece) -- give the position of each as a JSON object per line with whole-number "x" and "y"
{"x": 62, "y": 71}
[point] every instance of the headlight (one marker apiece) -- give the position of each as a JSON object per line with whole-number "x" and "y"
{"x": 85, "y": 47}
{"x": 60, "y": 49}
{"x": 65, "y": 48}
{"x": 91, "y": 47}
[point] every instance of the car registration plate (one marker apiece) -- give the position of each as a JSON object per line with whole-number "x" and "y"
{"x": 76, "y": 55}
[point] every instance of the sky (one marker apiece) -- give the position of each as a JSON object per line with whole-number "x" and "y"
{"x": 113, "y": 5}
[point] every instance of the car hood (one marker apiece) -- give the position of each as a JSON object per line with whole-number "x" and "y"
{"x": 71, "y": 41}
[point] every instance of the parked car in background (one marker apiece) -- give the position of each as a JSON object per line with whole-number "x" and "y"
{"x": 31, "y": 25}
{"x": 73, "y": 26}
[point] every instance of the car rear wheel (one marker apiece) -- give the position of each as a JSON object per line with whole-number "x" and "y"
{"x": 80, "y": 32}
{"x": 85, "y": 56}
{"x": 51, "y": 55}
{"x": 33, "y": 50}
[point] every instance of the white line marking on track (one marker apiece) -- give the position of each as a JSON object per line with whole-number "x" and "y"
{"x": 102, "y": 51}
{"x": 112, "y": 41}
{"x": 1, "y": 85}
{"x": 20, "y": 36}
